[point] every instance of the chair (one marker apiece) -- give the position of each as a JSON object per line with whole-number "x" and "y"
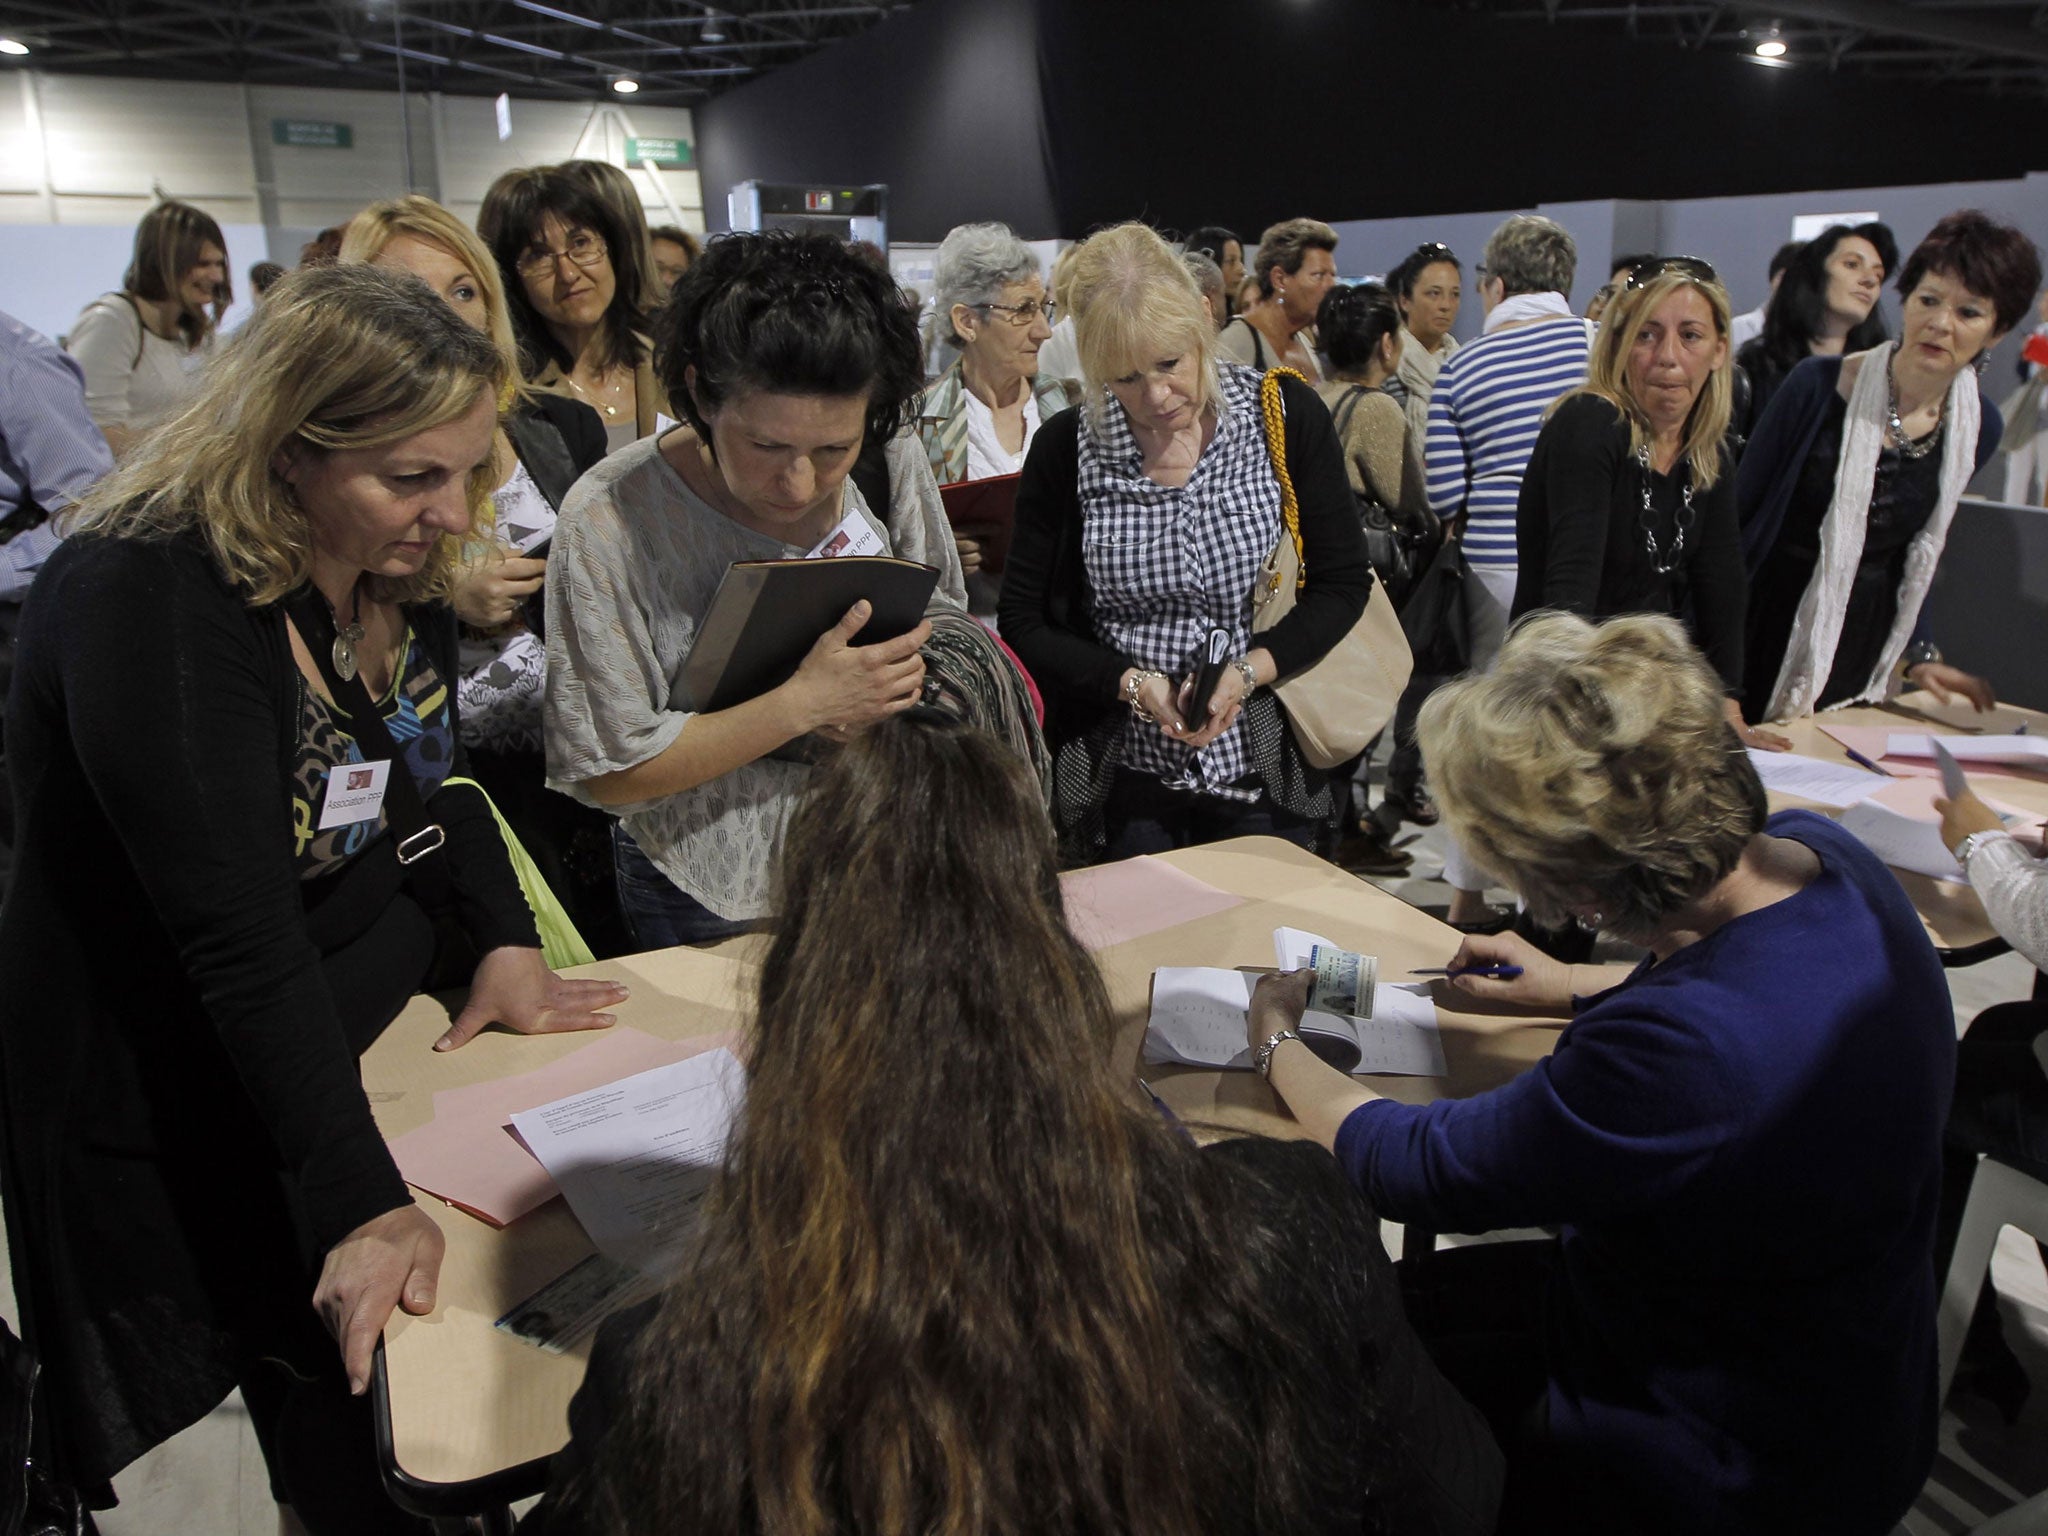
{"x": 2000, "y": 1196}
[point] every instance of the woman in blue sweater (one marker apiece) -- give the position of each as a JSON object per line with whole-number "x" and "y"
{"x": 1739, "y": 1140}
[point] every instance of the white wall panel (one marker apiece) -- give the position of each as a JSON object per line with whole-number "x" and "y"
{"x": 374, "y": 164}
{"x": 21, "y": 152}
{"x": 121, "y": 137}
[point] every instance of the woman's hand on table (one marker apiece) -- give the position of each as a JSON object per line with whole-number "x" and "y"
{"x": 389, "y": 1261}
{"x": 1754, "y": 735}
{"x": 488, "y": 591}
{"x": 1545, "y": 985}
{"x": 1963, "y": 815}
{"x": 1278, "y": 1002}
{"x": 514, "y": 987}
{"x": 1948, "y": 684}
{"x": 846, "y": 686}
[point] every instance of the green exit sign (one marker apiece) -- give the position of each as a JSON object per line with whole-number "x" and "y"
{"x": 669, "y": 154}
{"x": 310, "y": 135}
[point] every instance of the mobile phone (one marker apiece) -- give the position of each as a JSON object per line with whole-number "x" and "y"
{"x": 1953, "y": 783}
{"x": 1205, "y": 672}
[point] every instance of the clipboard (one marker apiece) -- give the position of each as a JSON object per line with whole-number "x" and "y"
{"x": 984, "y": 510}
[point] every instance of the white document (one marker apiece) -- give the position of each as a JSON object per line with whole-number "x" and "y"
{"x": 1199, "y": 1017}
{"x": 635, "y": 1157}
{"x": 1815, "y": 779}
{"x": 2012, "y": 751}
{"x": 1904, "y": 842}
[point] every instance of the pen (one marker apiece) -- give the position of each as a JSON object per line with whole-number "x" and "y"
{"x": 1497, "y": 972}
{"x": 1863, "y": 762}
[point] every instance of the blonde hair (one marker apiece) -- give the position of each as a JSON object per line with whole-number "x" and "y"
{"x": 1062, "y": 282}
{"x": 1706, "y": 424}
{"x": 1594, "y": 763}
{"x": 1134, "y": 304}
{"x": 336, "y": 358}
{"x": 424, "y": 219}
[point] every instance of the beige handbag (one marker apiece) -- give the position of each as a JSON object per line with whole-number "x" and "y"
{"x": 1338, "y": 705}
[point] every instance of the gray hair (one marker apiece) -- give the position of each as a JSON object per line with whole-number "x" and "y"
{"x": 976, "y": 262}
{"x": 1532, "y": 254}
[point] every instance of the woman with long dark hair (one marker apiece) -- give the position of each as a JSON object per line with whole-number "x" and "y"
{"x": 961, "y": 1275}
{"x": 576, "y": 274}
{"x": 1825, "y": 306}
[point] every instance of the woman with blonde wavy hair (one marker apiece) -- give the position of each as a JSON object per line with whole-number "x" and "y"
{"x": 1738, "y": 1141}
{"x": 968, "y": 1279}
{"x": 212, "y": 918}
{"x": 1142, "y": 519}
{"x": 543, "y": 444}
{"x": 1628, "y": 505}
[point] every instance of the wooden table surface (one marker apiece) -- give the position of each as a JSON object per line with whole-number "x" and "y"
{"x": 1954, "y": 917}
{"x": 467, "y": 1401}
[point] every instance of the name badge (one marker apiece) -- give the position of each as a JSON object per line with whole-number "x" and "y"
{"x": 355, "y": 792}
{"x": 855, "y": 535}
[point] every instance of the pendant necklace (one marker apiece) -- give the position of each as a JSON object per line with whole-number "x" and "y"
{"x": 610, "y": 389}
{"x": 1908, "y": 448}
{"x": 1664, "y": 562}
{"x": 348, "y": 636}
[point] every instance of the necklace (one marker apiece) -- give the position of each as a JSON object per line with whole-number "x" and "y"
{"x": 1907, "y": 446}
{"x": 1664, "y": 562}
{"x": 610, "y": 389}
{"x": 348, "y": 636}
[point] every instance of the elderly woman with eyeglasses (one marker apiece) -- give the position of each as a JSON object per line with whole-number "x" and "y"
{"x": 1848, "y": 487}
{"x": 1628, "y": 504}
{"x": 576, "y": 279}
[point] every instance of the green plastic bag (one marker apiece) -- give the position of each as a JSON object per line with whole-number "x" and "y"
{"x": 560, "y": 944}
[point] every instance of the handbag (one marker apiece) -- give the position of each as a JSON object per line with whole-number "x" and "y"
{"x": 1338, "y": 705}
{"x": 1437, "y": 619}
{"x": 1397, "y": 553}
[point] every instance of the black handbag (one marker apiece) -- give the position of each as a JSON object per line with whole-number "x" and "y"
{"x": 1436, "y": 619}
{"x": 1398, "y": 553}
{"x": 31, "y": 1502}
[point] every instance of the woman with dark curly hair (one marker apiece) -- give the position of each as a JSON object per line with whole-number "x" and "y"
{"x": 786, "y": 353}
{"x": 577, "y": 275}
{"x": 1848, "y": 487}
{"x": 1825, "y": 306}
{"x": 967, "y": 1278}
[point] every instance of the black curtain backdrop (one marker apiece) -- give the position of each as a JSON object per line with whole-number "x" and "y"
{"x": 1058, "y": 116}
{"x": 940, "y": 102}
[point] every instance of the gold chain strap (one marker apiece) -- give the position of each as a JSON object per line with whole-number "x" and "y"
{"x": 1275, "y": 421}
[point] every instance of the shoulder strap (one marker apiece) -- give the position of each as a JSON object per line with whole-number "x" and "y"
{"x": 1347, "y": 407}
{"x": 404, "y": 810}
{"x": 1258, "y": 348}
{"x": 1273, "y": 414}
{"x": 141, "y": 327}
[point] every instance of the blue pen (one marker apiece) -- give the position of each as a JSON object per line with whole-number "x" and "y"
{"x": 1863, "y": 762}
{"x": 1497, "y": 972}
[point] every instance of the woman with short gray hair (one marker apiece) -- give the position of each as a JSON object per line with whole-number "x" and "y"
{"x": 980, "y": 414}
{"x": 1738, "y": 1141}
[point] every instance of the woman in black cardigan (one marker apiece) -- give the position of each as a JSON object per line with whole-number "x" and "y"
{"x": 1142, "y": 519}
{"x": 1629, "y": 502}
{"x": 208, "y": 925}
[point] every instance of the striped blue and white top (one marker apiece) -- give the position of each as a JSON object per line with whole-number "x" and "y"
{"x": 1484, "y": 415}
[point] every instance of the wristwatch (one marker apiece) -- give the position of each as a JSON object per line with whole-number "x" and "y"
{"x": 1262, "y": 1056}
{"x": 1974, "y": 841}
{"x": 1920, "y": 652}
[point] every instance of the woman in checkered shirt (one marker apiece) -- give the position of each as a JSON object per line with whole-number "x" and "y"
{"x": 1142, "y": 519}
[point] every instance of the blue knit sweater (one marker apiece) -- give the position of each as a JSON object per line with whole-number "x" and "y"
{"x": 1742, "y": 1146}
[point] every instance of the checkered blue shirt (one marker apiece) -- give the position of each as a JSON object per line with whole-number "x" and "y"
{"x": 1165, "y": 563}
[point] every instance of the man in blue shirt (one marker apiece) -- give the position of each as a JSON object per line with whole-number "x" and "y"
{"x": 51, "y": 454}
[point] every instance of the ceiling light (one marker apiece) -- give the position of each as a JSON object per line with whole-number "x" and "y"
{"x": 625, "y": 87}
{"x": 9, "y": 46}
{"x": 1772, "y": 46}
{"x": 714, "y": 30}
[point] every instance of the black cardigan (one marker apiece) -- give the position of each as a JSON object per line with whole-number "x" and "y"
{"x": 1579, "y": 539}
{"x": 178, "y": 1094}
{"x": 1045, "y": 610}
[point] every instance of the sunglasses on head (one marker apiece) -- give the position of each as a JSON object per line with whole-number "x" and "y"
{"x": 1644, "y": 273}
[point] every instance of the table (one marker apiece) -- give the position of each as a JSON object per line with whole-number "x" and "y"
{"x": 468, "y": 1415}
{"x": 1953, "y": 915}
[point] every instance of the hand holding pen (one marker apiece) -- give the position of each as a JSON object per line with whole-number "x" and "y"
{"x": 1508, "y": 968}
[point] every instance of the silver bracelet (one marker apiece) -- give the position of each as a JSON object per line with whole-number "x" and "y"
{"x": 1131, "y": 686}
{"x": 1262, "y": 1055}
{"x": 1246, "y": 671}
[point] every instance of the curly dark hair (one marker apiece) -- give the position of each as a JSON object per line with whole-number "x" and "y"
{"x": 798, "y": 314}
{"x": 1352, "y": 322}
{"x": 1990, "y": 259}
{"x": 510, "y": 224}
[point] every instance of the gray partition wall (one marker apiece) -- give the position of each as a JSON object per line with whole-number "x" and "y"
{"x": 1989, "y": 607}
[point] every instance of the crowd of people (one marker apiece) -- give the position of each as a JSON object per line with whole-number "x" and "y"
{"x": 345, "y": 658}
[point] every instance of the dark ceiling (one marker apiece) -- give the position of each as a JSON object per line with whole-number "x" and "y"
{"x": 1998, "y": 45}
{"x": 680, "y": 51}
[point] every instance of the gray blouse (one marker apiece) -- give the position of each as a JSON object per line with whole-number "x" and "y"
{"x": 636, "y": 560}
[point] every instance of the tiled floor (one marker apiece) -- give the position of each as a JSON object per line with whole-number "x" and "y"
{"x": 210, "y": 1480}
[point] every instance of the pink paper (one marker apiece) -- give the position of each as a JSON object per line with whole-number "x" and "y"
{"x": 467, "y": 1153}
{"x": 1111, "y": 903}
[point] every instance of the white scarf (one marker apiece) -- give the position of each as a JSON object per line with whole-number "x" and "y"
{"x": 1817, "y": 628}
{"x": 1417, "y": 371}
{"x": 1524, "y": 307}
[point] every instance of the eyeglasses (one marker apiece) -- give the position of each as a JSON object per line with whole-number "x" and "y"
{"x": 1026, "y": 313}
{"x": 1644, "y": 273}
{"x": 1435, "y": 249}
{"x": 584, "y": 249}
